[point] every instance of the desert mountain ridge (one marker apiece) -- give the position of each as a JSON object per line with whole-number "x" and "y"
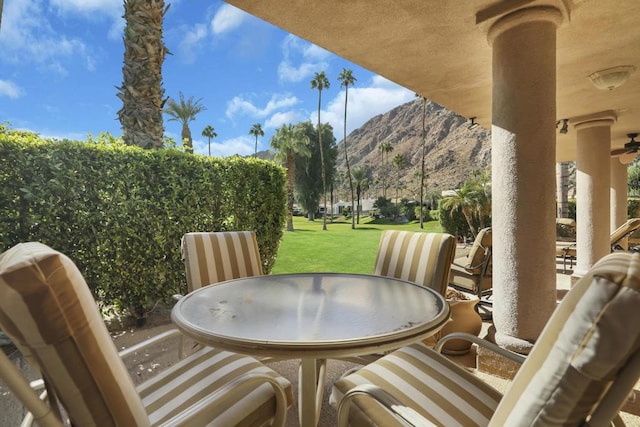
{"x": 453, "y": 150}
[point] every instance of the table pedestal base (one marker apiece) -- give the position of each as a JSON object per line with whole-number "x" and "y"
{"x": 311, "y": 381}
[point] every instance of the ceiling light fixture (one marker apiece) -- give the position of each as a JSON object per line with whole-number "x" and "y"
{"x": 473, "y": 123}
{"x": 611, "y": 78}
{"x": 565, "y": 125}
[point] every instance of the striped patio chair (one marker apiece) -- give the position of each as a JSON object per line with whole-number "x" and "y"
{"x": 49, "y": 313}
{"x": 472, "y": 273}
{"x": 422, "y": 258}
{"x": 213, "y": 257}
{"x": 579, "y": 372}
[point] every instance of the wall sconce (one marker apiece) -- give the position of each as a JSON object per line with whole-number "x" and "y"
{"x": 611, "y": 78}
{"x": 565, "y": 125}
{"x": 473, "y": 123}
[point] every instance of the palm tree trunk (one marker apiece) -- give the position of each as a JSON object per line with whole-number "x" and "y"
{"x": 469, "y": 218}
{"x": 291, "y": 179}
{"x": 358, "y": 211}
{"x": 186, "y": 138}
{"x": 141, "y": 91}
{"x": 324, "y": 178}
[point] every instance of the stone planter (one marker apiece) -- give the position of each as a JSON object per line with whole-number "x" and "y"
{"x": 464, "y": 318}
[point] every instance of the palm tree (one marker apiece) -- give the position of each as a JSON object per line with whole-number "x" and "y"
{"x": 184, "y": 112}
{"x": 141, "y": 92}
{"x": 256, "y": 130}
{"x": 362, "y": 184}
{"x": 208, "y": 132}
{"x": 346, "y": 78}
{"x": 399, "y": 162}
{"x": 424, "y": 154}
{"x": 481, "y": 184}
{"x": 321, "y": 82}
{"x": 464, "y": 200}
{"x": 385, "y": 147}
{"x": 289, "y": 141}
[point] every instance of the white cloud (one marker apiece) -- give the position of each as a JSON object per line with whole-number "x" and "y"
{"x": 109, "y": 7}
{"x": 314, "y": 52}
{"x": 191, "y": 41}
{"x": 300, "y": 59}
{"x": 113, "y": 10}
{"x": 239, "y": 106}
{"x": 28, "y": 37}
{"x": 226, "y": 19}
{"x": 9, "y": 89}
{"x": 242, "y": 145}
{"x": 283, "y": 118}
{"x": 364, "y": 103}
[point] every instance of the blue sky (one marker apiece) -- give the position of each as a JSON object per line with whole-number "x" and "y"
{"x": 61, "y": 60}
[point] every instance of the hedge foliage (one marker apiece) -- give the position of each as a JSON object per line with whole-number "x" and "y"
{"x": 119, "y": 212}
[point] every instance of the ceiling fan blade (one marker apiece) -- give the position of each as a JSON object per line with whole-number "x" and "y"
{"x": 619, "y": 151}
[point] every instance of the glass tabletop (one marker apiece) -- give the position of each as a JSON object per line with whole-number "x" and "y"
{"x": 322, "y": 310}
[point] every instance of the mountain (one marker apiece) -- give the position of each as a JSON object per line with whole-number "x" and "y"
{"x": 453, "y": 150}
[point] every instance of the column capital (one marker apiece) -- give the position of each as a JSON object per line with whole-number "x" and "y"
{"x": 523, "y": 16}
{"x": 601, "y": 118}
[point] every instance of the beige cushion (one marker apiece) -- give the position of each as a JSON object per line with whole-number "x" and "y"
{"x": 483, "y": 240}
{"x": 201, "y": 375}
{"x": 422, "y": 258}
{"x": 49, "y": 313}
{"x": 426, "y": 381}
{"x": 591, "y": 341}
{"x": 588, "y": 340}
{"x": 215, "y": 257}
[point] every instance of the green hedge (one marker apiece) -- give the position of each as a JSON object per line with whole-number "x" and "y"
{"x": 119, "y": 212}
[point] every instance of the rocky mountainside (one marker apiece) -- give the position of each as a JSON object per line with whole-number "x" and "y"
{"x": 453, "y": 150}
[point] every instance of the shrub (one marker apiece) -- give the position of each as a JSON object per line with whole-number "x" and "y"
{"x": 633, "y": 208}
{"x": 119, "y": 212}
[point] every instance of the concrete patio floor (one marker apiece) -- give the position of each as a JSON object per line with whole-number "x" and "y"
{"x": 151, "y": 362}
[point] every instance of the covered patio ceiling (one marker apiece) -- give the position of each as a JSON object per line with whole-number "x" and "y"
{"x": 439, "y": 49}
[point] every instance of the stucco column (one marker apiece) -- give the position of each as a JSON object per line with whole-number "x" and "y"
{"x": 618, "y": 193}
{"x": 523, "y": 174}
{"x": 593, "y": 178}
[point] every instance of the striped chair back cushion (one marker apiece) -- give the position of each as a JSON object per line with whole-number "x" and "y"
{"x": 589, "y": 348}
{"x": 49, "y": 313}
{"x": 422, "y": 258}
{"x": 218, "y": 256}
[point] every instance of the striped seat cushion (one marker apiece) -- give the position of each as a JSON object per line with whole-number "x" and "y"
{"x": 215, "y": 257}
{"x": 49, "y": 313}
{"x": 422, "y": 258}
{"x": 426, "y": 381}
{"x": 199, "y": 376}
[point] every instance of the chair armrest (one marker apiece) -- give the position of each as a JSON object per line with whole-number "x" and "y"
{"x": 231, "y": 392}
{"x": 164, "y": 336}
{"x": 480, "y": 342}
{"x": 402, "y": 413}
{"x": 485, "y": 260}
{"x": 19, "y": 386}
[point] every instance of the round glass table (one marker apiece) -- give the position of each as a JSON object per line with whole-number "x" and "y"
{"x": 312, "y": 317}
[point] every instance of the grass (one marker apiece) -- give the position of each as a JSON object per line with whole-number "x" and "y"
{"x": 339, "y": 248}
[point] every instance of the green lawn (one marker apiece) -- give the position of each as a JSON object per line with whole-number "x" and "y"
{"x": 339, "y": 248}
